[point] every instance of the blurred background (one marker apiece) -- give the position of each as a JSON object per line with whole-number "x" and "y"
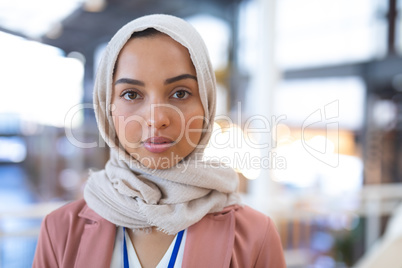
{"x": 309, "y": 114}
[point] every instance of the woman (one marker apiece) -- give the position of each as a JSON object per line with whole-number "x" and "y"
{"x": 156, "y": 203}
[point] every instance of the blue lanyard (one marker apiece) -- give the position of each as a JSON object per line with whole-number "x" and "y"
{"x": 172, "y": 258}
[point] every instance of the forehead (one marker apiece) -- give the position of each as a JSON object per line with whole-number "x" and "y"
{"x": 152, "y": 53}
{"x": 160, "y": 46}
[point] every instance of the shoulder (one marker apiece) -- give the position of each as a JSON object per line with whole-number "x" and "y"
{"x": 253, "y": 225}
{"x": 59, "y": 233}
{"x": 66, "y": 216}
{"x": 256, "y": 232}
{"x": 72, "y": 212}
{"x": 68, "y": 231}
{"x": 255, "y": 239}
{"x": 73, "y": 216}
{"x": 243, "y": 219}
{"x": 246, "y": 213}
{"x": 67, "y": 211}
{"x": 247, "y": 218}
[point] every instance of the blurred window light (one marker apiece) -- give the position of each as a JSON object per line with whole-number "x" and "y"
{"x": 229, "y": 146}
{"x": 69, "y": 179}
{"x": 385, "y": 114}
{"x": 35, "y": 18}
{"x": 39, "y": 84}
{"x": 216, "y": 40}
{"x": 12, "y": 149}
{"x": 324, "y": 32}
{"x": 305, "y": 171}
{"x": 248, "y": 39}
{"x": 299, "y": 99}
{"x": 10, "y": 123}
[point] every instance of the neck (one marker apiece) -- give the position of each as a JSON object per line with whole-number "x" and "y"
{"x": 150, "y": 246}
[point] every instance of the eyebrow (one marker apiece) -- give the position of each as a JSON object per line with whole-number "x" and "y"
{"x": 129, "y": 81}
{"x": 180, "y": 77}
{"x": 167, "y": 81}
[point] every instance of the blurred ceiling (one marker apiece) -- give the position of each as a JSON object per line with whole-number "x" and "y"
{"x": 95, "y": 21}
{"x": 84, "y": 30}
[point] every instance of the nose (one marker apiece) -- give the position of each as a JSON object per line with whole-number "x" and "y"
{"x": 159, "y": 117}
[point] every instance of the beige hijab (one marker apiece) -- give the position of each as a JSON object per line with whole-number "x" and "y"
{"x": 131, "y": 195}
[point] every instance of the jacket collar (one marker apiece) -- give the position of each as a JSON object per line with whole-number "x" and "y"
{"x": 210, "y": 241}
{"x": 97, "y": 240}
{"x": 89, "y": 214}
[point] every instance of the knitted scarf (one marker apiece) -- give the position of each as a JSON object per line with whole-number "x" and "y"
{"x": 128, "y": 194}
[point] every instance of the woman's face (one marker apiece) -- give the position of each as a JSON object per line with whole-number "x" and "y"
{"x": 157, "y": 110}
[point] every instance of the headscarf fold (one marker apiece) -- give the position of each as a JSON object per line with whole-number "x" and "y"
{"x": 127, "y": 193}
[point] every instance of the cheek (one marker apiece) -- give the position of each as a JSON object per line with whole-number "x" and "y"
{"x": 194, "y": 124}
{"x": 128, "y": 129}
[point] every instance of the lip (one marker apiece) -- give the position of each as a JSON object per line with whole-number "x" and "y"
{"x": 158, "y": 144}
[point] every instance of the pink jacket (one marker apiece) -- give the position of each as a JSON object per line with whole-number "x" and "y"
{"x": 75, "y": 236}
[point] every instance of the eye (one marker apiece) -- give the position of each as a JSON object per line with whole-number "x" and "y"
{"x": 181, "y": 94}
{"x": 130, "y": 95}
